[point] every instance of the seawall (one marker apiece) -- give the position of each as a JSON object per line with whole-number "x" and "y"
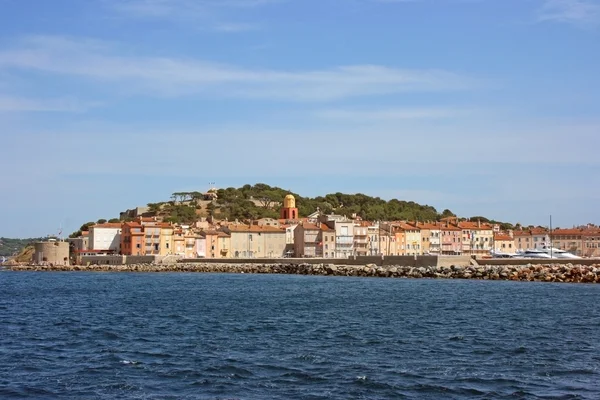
{"x": 528, "y": 272}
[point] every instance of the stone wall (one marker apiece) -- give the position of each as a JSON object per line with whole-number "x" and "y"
{"x": 419, "y": 261}
{"x": 531, "y": 272}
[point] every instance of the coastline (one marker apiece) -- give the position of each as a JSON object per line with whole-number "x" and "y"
{"x": 571, "y": 273}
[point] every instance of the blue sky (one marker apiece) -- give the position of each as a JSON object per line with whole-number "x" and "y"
{"x": 485, "y": 107}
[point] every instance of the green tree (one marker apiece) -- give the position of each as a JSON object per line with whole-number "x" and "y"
{"x": 101, "y": 221}
{"x": 114, "y": 220}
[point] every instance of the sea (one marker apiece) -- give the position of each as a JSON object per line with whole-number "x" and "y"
{"x": 78, "y": 335}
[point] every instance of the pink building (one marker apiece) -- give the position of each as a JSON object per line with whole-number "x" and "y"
{"x": 451, "y": 239}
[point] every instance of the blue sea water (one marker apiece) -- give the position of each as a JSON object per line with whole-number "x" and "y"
{"x": 214, "y": 336}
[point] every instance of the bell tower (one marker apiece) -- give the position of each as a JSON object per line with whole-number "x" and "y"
{"x": 289, "y": 210}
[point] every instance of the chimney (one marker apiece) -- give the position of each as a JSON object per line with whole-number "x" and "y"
{"x": 478, "y": 223}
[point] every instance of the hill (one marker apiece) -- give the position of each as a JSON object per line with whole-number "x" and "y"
{"x": 261, "y": 201}
{"x": 10, "y": 247}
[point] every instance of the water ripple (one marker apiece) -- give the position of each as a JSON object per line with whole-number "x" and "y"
{"x": 211, "y": 336}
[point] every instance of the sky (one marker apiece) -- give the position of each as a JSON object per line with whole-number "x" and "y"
{"x": 484, "y": 107}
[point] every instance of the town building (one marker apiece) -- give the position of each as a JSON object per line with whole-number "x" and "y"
{"x": 328, "y": 241}
{"x": 308, "y": 240}
{"x": 252, "y": 241}
{"x": 105, "y": 237}
{"x": 452, "y": 242}
{"x": 503, "y": 243}
{"x": 361, "y": 239}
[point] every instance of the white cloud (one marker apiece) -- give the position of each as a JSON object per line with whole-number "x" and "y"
{"x": 101, "y": 61}
{"x": 200, "y": 14}
{"x": 392, "y": 114}
{"x": 578, "y": 12}
{"x": 19, "y": 104}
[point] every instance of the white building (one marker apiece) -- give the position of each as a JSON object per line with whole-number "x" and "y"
{"x": 105, "y": 237}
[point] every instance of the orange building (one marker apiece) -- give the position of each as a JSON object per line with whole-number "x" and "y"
{"x": 132, "y": 239}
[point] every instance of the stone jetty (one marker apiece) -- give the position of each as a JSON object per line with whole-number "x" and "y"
{"x": 529, "y": 272}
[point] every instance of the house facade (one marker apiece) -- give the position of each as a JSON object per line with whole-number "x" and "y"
{"x": 105, "y": 237}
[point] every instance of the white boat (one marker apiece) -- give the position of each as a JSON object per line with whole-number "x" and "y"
{"x": 533, "y": 253}
{"x": 558, "y": 253}
{"x": 499, "y": 254}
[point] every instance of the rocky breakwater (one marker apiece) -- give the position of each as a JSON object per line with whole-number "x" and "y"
{"x": 530, "y": 272}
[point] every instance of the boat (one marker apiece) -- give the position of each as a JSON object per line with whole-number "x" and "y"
{"x": 558, "y": 253}
{"x": 533, "y": 253}
{"x": 499, "y": 254}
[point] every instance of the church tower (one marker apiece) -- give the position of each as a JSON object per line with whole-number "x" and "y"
{"x": 289, "y": 210}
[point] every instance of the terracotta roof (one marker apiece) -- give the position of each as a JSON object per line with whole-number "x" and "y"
{"x": 450, "y": 227}
{"x": 567, "y": 232}
{"x": 521, "y": 233}
{"x": 108, "y": 225}
{"x": 309, "y": 226}
{"x": 255, "y": 228}
{"x": 503, "y": 238}
{"x": 326, "y": 228}
{"x": 474, "y": 225}
{"x": 539, "y": 231}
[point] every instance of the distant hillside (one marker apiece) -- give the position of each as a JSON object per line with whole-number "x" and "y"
{"x": 9, "y": 247}
{"x": 261, "y": 200}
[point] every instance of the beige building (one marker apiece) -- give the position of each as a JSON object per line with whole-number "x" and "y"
{"x": 477, "y": 237}
{"x": 570, "y": 240}
{"x": 412, "y": 244}
{"x": 328, "y": 240}
{"x": 307, "y": 240}
{"x": 387, "y": 240}
{"x": 218, "y": 244}
{"x": 256, "y": 241}
{"x": 373, "y": 236}
{"x": 523, "y": 240}
{"x": 361, "y": 240}
{"x": 503, "y": 243}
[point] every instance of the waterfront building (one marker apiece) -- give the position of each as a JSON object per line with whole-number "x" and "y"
{"x": 361, "y": 239}
{"x": 451, "y": 239}
{"x": 411, "y": 240}
{"x": 477, "y": 237}
{"x": 570, "y": 240}
{"x": 373, "y": 237}
{"x": 523, "y": 240}
{"x": 591, "y": 242}
{"x": 328, "y": 241}
{"x": 80, "y": 243}
{"x": 431, "y": 235}
{"x": 105, "y": 237}
{"x": 344, "y": 234}
{"x": 308, "y": 240}
{"x": 217, "y": 244}
{"x": 503, "y": 243}
{"x": 252, "y": 241}
{"x": 540, "y": 237}
{"x": 132, "y": 239}
{"x": 387, "y": 240}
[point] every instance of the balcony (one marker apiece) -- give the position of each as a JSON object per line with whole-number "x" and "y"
{"x": 344, "y": 239}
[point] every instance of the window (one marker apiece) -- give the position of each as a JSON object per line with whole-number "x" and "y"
{"x": 138, "y": 245}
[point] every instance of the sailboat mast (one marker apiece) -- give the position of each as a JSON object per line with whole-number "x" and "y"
{"x": 551, "y": 241}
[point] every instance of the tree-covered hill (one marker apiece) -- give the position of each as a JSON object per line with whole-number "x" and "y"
{"x": 261, "y": 200}
{"x": 9, "y": 247}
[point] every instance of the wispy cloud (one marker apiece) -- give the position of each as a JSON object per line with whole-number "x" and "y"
{"x": 210, "y": 14}
{"x": 107, "y": 63}
{"x": 578, "y": 12}
{"x": 19, "y": 104}
{"x": 392, "y": 114}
